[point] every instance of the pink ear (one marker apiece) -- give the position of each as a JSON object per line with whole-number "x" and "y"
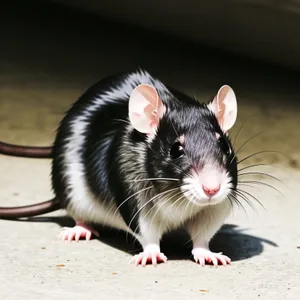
{"x": 224, "y": 106}
{"x": 145, "y": 109}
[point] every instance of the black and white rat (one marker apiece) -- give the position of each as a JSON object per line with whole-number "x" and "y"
{"x": 133, "y": 154}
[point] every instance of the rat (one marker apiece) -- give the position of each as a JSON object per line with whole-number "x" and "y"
{"x": 134, "y": 154}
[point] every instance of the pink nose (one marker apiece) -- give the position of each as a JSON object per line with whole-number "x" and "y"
{"x": 210, "y": 191}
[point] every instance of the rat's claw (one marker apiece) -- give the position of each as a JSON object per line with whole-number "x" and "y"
{"x": 154, "y": 260}
{"x": 200, "y": 260}
{"x": 214, "y": 261}
{"x": 77, "y": 236}
{"x": 89, "y": 235}
{"x": 162, "y": 257}
{"x": 71, "y": 235}
{"x": 223, "y": 260}
{"x": 202, "y": 255}
{"x": 144, "y": 261}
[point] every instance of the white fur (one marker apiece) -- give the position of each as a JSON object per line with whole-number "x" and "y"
{"x": 204, "y": 225}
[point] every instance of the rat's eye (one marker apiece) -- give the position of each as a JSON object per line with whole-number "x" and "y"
{"x": 224, "y": 146}
{"x": 176, "y": 150}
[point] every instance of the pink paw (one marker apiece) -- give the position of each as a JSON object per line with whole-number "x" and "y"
{"x": 203, "y": 255}
{"x": 151, "y": 254}
{"x": 77, "y": 232}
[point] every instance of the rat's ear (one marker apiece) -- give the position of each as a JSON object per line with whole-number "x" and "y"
{"x": 224, "y": 106}
{"x": 145, "y": 109}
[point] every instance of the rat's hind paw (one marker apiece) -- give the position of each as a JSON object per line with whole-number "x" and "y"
{"x": 151, "y": 254}
{"x": 202, "y": 256}
{"x": 77, "y": 232}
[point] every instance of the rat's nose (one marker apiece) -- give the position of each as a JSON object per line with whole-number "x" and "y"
{"x": 211, "y": 191}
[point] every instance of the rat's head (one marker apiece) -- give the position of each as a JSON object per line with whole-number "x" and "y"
{"x": 188, "y": 146}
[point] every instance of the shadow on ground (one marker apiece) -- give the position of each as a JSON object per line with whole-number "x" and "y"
{"x": 231, "y": 240}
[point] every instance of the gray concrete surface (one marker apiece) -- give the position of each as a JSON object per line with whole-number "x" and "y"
{"x": 46, "y": 62}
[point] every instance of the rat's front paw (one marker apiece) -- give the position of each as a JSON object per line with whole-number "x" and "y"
{"x": 202, "y": 256}
{"x": 151, "y": 254}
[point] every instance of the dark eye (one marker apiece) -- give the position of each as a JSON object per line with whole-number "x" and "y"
{"x": 176, "y": 150}
{"x": 224, "y": 146}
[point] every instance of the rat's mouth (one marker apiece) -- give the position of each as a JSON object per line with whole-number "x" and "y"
{"x": 209, "y": 186}
{"x": 200, "y": 201}
{"x": 196, "y": 194}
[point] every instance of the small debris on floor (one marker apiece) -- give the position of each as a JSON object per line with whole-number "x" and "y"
{"x": 59, "y": 266}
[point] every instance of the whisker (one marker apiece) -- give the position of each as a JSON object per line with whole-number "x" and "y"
{"x": 150, "y": 179}
{"x": 189, "y": 203}
{"x": 183, "y": 202}
{"x": 240, "y": 130}
{"x": 259, "y": 152}
{"x": 230, "y": 200}
{"x": 237, "y": 193}
{"x": 145, "y": 189}
{"x": 252, "y": 196}
{"x": 245, "y": 198}
{"x": 121, "y": 120}
{"x": 156, "y": 204}
{"x": 147, "y": 202}
{"x": 264, "y": 174}
{"x": 165, "y": 202}
{"x": 253, "y": 166}
{"x": 238, "y": 202}
{"x": 180, "y": 198}
{"x": 247, "y": 141}
{"x": 261, "y": 183}
{"x": 244, "y": 144}
{"x": 147, "y": 213}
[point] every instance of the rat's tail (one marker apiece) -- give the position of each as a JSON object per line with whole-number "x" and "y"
{"x": 34, "y": 209}
{"x": 26, "y": 151}
{"x": 29, "y": 210}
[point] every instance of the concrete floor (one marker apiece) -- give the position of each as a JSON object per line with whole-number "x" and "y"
{"x": 46, "y": 62}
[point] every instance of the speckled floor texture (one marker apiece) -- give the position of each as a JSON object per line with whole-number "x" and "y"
{"x": 47, "y": 60}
